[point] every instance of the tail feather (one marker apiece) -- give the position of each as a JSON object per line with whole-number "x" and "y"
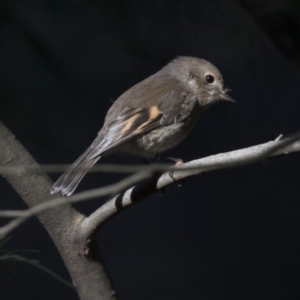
{"x": 68, "y": 182}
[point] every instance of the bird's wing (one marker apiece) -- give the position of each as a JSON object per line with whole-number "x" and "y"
{"x": 133, "y": 121}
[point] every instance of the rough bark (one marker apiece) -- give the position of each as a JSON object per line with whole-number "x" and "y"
{"x": 62, "y": 223}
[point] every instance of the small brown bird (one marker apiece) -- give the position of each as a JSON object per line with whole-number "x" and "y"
{"x": 152, "y": 116}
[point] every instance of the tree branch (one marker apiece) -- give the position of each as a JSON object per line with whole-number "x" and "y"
{"x": 62, "y": 223}
{"x": 231, "y": 159}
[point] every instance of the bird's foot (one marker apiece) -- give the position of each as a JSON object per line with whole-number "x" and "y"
{"x": 178, "y": 162}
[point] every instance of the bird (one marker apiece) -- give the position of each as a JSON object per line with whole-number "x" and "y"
{"x": 153, "y": 116}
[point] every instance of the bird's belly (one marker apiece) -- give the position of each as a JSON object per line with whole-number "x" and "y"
{"x": 159, "y": 140}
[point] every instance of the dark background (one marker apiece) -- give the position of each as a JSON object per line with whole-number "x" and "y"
{"x": 231, "y": 234}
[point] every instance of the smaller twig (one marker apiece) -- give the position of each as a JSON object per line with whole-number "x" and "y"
{"x": 279, "y": 138}
{"x": 22, "y": 216}
{"x": 100, "y": 168}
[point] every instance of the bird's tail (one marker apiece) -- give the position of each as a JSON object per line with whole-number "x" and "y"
{"x": 68, "y": 182}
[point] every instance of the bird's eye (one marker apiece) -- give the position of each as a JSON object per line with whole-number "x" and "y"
{"x": 209, "y": 78}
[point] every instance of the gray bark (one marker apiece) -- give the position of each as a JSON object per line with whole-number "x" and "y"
{"x": 63, "y": 223}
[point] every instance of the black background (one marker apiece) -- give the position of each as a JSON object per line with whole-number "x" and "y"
{"x": 231, "y": 234}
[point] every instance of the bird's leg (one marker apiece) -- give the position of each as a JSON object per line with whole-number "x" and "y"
{"x": 178, "y": 162}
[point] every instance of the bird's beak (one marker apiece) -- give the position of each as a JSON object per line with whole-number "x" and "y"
{"x": 225, "y": 96}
